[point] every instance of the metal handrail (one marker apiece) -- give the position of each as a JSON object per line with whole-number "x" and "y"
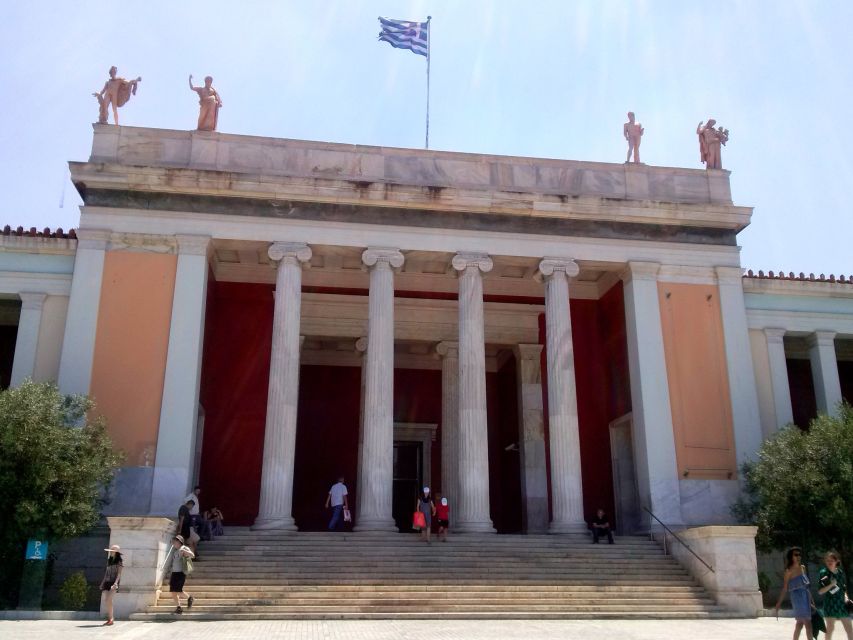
{"x": 675, "y": 535}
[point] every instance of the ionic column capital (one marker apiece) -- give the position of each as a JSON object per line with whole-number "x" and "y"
{"x": 774, "y": 336}
{"x": 289, "y": 252}
{"x": 463, "y": 260}
{"x": 374, "y": 256}
{"x": 32, "y": 301}
{"x": 549, "y": 266}
{"x": 447, "y": 350}
{"x": 361, "y": 344}
{"x": 637, "y": 270}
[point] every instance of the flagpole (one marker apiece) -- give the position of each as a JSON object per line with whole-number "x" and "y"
{"x": 429, "y": 37}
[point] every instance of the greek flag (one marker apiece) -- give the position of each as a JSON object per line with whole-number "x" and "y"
{"x": 401, "y": 34}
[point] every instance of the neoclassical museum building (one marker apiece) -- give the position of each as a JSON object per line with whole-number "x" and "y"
{"x": 533, "y": 338}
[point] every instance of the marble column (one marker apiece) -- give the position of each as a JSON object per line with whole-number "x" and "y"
{"x": 741, "y": 373}
{"x": 78, "y": 344}
{"x": 377, "y": 450}
{"x": 779, "y": 377}
{"x": 26, "y": 344}
{"x": 473, "y": 512}
{"x": 449, "y": 354}
{"x": 531, "y": 438}
{"x": 654, "y": 439}
{"x": 564, "y": 441}
{"x": 361, "y": 350}
{"x": 827, "y": 384}
{"x": 276, "y": 503}
{"x": 174, "y": 462}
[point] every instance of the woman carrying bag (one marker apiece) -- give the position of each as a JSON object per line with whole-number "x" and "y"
{"x": 424, "y": 511}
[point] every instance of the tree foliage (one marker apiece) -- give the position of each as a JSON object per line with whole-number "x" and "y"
{"x": 800, "y": 489}
{"x": 54, "y": 466}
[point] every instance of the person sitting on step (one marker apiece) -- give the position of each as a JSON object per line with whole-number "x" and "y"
{"x": 601, "y": 527}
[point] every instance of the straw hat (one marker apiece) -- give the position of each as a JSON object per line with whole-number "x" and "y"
{"x": 114, "y": 547}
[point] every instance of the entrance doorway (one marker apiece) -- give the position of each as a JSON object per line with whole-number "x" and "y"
{"x": 408, "y": 480}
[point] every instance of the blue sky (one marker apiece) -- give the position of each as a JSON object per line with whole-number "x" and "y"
{"x": 537, "y": 78}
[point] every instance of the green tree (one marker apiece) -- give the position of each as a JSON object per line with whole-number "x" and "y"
{"x": 800, "y": 489}
{"x": 55, "y": 465}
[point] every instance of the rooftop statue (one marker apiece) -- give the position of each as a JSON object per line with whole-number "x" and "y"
{"x": 633, "y": 133}
{"x": 116, "y": 92}
{"x": 710, "y": 141}
{"x": 209, "y": 104}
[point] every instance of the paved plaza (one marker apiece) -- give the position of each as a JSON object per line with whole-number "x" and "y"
{"x": 760, "y": 629}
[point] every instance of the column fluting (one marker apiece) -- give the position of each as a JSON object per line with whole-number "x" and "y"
{"x": 377, "y": 448}
{"x": 566, "y": 482}
{"x": 473, "y": 513}
{"x": 276, "y": 501}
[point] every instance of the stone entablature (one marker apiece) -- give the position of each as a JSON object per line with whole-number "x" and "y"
{"x": 266, "y": 177}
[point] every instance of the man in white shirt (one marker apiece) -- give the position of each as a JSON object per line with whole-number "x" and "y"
{"x": 195, "y": 515}
{"x": 337, "y": 499}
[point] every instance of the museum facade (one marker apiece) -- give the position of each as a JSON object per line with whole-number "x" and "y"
{"x": 533, "y": 338}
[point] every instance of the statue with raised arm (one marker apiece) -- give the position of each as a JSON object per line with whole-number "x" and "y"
{"x": 209, "y": 104}
{"x": 710, "y": 142}
{"x": 633, "y": 132}
{"x": 116, "y": 93}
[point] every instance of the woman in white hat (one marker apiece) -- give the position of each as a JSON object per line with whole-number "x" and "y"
{"x": 112, "y": 576}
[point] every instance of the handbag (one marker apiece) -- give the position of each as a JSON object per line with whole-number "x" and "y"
{"x": 347, "y": 515}
{"x": 418, "y": 520}
{"x": 186, "y": 565}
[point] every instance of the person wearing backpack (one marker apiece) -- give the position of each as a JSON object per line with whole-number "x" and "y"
{"x": 181, "y": 566}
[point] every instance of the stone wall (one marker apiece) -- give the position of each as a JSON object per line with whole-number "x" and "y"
{"x": 730, "y": 551}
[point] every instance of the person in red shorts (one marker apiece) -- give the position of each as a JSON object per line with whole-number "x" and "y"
{"x": 442, "y": 516}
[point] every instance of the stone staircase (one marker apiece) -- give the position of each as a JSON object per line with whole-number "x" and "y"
{"x": 268, "y": 575}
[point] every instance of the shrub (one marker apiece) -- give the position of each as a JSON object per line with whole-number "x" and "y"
{"x": 74, "y": 592}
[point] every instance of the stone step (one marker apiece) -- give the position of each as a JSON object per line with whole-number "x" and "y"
{"x": 636, "y": 582}
{"x": 469, "y": 599}
{"x": 449, "y": 615}
{"x": 439, "y": 590}
{"x": 165, "y": 605}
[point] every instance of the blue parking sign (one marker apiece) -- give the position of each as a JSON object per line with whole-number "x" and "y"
{"x": 36, "y": 549}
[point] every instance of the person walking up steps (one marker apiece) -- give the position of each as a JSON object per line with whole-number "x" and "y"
{"x": 338, "y": 500}
{"x": 180, "y": 564}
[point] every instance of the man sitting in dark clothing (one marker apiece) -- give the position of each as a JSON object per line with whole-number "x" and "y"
{"x": 600, "y": 527}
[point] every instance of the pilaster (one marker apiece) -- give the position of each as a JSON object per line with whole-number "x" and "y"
{"x": 779, "y": 377}
{"x": 654, "y": 440}
{"x": 531, "y": 438}
{"x": 176, "y": 436}
{"x": 78, "y": 344}
{"x": 449, "y": 354}
{"x": 827, "y": 385}
{"x": 741, "y": 373}
{"x": 26, "y": 344}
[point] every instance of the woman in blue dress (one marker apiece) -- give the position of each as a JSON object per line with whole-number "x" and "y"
{"x": 797, "y": 585}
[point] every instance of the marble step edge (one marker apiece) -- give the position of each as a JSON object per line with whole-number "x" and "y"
{"x": 430, "y": 615}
